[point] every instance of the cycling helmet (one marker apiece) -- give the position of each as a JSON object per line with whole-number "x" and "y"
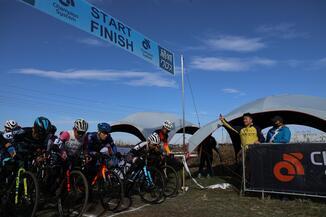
{"x": 10, "y": 125}
{"x": 168, "y": 125}
{"x": 42, "y": 126}
{"x": 104, "y": 127}
{"x": 154, "y": 139}
{"x": 81, "y": 125}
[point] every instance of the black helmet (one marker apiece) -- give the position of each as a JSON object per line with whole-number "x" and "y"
{"x": 42, "y": 126}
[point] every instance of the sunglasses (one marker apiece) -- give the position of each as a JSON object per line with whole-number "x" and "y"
{"x": 80, "y": 133}
{"x": 105, "y": 133}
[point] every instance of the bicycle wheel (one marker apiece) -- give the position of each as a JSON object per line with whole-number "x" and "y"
{"x": 111, "y": 191}
{"x": 73, "y": 202}
{"x": 23, "y": 196}
{"x": 171, "y": 180}
{"x": 151, "y": 186}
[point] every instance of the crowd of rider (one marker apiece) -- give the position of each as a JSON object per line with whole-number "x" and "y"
{"x": 16, "y": 141}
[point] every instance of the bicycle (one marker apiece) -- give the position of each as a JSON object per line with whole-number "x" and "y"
{"x": 147, "y": 182}
{"x": 69, "y": 186}
{"x": 108, "y": 184}
{"x": 171, "y": 177}
{"x": 19, "y": 191}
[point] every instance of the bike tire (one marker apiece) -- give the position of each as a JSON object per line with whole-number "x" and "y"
{"x": 171, "y": 179}
{"x": 154, "y": 191}
{"x": 18, "y": 209}
{"x": 111, "y": 191}
{"x": 63, "y": 198}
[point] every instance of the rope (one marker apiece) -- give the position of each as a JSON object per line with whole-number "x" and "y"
{"x": 193, "y": 98}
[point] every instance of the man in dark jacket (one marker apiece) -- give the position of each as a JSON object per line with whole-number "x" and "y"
{"x": 206, "y": 155}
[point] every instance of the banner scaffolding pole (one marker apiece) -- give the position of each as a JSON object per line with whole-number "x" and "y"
{"x": 183, "y": 120}
{"x": 183, "y": 103}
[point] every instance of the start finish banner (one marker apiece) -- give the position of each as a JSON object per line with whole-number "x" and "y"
{"x": 295, "y": 168}
{"x": 89, "y": 18}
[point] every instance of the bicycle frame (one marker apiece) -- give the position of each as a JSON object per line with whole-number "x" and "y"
{"x": 20, "y": 171}
{"x": 100, "y": 173}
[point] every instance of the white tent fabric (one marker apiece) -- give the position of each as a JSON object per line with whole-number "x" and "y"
{"x": 314, "y": 106}
{"x": 147, "y": 122}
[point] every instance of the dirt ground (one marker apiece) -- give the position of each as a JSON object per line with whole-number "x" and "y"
{"x": 228, "y": 203}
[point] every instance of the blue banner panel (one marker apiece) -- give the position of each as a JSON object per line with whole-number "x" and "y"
{"x": 89, "y": 18}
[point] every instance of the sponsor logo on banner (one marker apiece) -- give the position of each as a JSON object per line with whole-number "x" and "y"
{"x": 62, "y": 9}
{"x": 146, "y": 49}
{"x": 67, "y": 3}
{"x": 290, "y": 167}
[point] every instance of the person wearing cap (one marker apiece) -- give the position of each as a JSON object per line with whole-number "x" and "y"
{"x": 279, "y": 133}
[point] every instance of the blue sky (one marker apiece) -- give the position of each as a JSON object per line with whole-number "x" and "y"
{"x": 235, "y": 52}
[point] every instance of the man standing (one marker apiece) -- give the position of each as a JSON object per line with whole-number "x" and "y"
{"x": 206, "y": 155}
{"x": 279, "y": 133}
{"x": 249, "y": 133}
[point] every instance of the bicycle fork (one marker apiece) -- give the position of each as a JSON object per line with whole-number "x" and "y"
{"x": 148, "y": 176}
{"x": 20, "y": 171}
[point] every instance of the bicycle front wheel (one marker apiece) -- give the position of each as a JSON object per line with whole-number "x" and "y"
{"x": 152, "y": 185}
{"x": 73, "y": 197}
{"x": 171, "y": 180}
{"x": 111, "y": 191}
{"x": 24, "y": 196}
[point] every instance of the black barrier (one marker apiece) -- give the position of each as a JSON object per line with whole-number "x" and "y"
{"x": 289, "y": 168}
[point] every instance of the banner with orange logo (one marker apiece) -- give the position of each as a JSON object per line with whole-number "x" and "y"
{"x": 295, "y": 168}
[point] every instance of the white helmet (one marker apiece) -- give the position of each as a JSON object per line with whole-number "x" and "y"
{"x": 10, "y": 125}
{"x": 81, "y": 125}
{"x": 168, "y": 125}
{"x": 154, "y": 139}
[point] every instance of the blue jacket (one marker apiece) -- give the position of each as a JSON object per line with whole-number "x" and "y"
{"x": 283, "y": 135}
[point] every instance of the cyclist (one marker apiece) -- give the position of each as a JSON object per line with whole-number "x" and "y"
{"x": 164, "y": 135}
{"x": 101, "y": 139}
{"x": 7, "y": 151}
{"x": 152, "y": 144}
{"x": 164, "y": 138}
{"x": 33, "y": 139}
{"x": 99, "y": 142}
{"x": 73, "y": 143}
{"x": 10, "y": 125}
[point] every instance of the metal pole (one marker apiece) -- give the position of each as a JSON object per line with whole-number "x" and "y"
{"x": 183, "y": 102}
{"x": 183, "y": 121}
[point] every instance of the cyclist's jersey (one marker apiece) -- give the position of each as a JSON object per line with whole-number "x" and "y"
{"x": 71, "y": 144}
{"x": 164, "y": 141}
{"x": 95, "y": 145}
{"x": 138, "y": 149}
{"x": 23, "y": 140}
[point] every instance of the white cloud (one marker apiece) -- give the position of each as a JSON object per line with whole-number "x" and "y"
{"x": 318, "y": 64}
{"x": 233, "y": 91}
{"x": 230, "y": 90}
{"x": 235, "y": 43}
{"x": 134, "y": 78}
{"x": 229, "y": 64}
{"x": 93, "y": 42}
{"x": 282, "y": 30}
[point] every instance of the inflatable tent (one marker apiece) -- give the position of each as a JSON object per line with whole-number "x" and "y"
{"x": 295, "y": 109}
{"x": 144, "y": 123}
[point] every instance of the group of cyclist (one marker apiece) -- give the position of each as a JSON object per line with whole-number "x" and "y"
{"x": 18, "y": 143}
